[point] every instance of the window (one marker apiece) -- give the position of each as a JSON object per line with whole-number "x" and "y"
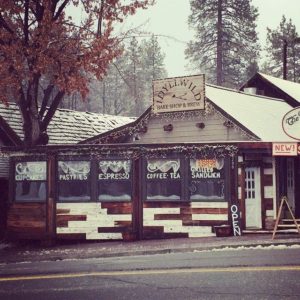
{"x": 30, "y": 181}
{"x": 114, "y": 180}
{"x": 207, "y": 179}
{"x": 74, "y": 180}
{"x": 163, "y": 179}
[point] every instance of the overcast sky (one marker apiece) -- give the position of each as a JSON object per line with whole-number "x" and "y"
{"x": 168, "y": 18}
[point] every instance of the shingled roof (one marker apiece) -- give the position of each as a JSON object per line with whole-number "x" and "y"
{"x": 67, "y": 126}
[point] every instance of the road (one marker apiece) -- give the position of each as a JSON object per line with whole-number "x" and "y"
{"x": 238, "y": 274}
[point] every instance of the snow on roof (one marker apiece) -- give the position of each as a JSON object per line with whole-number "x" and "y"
{"x": 261, "y": 115}
{"x": 289, "y": 87}
{"x": 67, "y": 126}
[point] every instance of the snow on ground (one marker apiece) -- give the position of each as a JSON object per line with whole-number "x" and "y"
{"x": 258, "y": 247}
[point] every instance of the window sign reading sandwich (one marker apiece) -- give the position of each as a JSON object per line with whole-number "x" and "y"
{"x": 207, "y": 180}
{"x": 207, "y": 168}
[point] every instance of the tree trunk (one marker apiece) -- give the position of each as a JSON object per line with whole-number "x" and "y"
{"x": 31, "y": 124}
{"x": 219, "y": 45}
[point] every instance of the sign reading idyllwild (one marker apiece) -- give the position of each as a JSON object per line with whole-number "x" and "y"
{"x": 179, "y": 94}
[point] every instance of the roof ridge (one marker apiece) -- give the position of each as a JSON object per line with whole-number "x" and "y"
{"x": 244, "y": 93}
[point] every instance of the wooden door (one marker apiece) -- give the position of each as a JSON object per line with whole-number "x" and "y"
{"x": 253, "y": 198}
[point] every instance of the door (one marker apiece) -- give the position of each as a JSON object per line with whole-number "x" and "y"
{"x": 290, "y": 183}
{"x": 253, "y": 198}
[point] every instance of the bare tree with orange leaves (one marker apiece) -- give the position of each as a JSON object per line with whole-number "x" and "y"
{"x": 45, "y": 54}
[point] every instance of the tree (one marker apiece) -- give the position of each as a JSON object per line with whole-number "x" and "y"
{"x": 127, "y": 86}
{"x": 225, "y": 44}
{"x": 152, "y": 65}
{"x": 286, "y": 31}
{"x": 45, "y": 54}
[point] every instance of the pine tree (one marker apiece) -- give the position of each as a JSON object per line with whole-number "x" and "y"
{"x": 152, "y": 65}
{"x": 225, "y": 44}
{"x": 285, "y": 32}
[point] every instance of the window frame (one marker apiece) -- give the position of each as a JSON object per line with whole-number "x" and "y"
{"x": 182, "y": 180}
{"x": 226, "y": 176}
{"x": 13, "y": 181}
{"x": 89, "y": 180}
{"x": 130, "y": 180}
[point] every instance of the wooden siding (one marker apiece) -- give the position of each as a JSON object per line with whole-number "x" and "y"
{"x": 4, "y": 167}
{"x": 94, "y": 221}
{"x": 182, "y": 219}
{"x": 27, "y": 220}
{"x": 187, "y": 131}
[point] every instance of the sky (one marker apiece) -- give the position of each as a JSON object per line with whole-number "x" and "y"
{"x": 168, "y": 20}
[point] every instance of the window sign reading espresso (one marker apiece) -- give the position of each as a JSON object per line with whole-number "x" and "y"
{"x": 207, "y": 168}
{"x": 179, "y": 94}
{"x": 163, "y": 169}
{"x": 31, "y": 170}
{"x": 114, "y": 170}
{"x": 73, "y": 170}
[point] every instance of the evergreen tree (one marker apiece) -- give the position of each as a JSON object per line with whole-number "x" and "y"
{"x": 153, "y": 66}
{"x": 285, "y": 32}
{"x": 127, "y": 87}
{"x": 225, "y": 46}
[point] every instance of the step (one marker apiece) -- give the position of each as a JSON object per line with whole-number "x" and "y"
{"x": 256, "y": 231}
{"x": 288, "y": 225}
{"x": 290, "y": 220}
{"x": 287, "y": 231}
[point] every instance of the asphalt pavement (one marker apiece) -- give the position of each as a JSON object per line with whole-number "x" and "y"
{"x": 35, "y": 251}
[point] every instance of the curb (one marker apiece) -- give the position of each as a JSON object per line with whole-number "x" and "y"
{"x": 94, "y": 253}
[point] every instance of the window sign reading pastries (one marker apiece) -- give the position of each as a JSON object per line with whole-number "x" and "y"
{"x": 73, "y": 170}
{"x": 73, "y": 180}
{"x": 179, "y": 94}
{"x": 114, "y": 170}
{"x": 31, "y": 170}
{"x": 207, "y": 179}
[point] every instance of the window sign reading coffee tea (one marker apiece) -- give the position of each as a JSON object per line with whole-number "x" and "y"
{"x": 114, "y": 180}
{"x": 73, "y": 179}
{"x": 30, "y": 180}
{"x": 163, "y": 179}
{"x": 207, "y": 179}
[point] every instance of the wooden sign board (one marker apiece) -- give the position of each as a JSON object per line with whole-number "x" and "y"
{"x": 284, "y": 149}
{"x": 179, "y": 94}
{"x": 235, "y": 217}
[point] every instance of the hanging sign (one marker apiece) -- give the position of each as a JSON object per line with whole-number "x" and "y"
{"x": 179, "y": 94}
{"x": 284, "y": 149}
{"x": 291, "y": 123}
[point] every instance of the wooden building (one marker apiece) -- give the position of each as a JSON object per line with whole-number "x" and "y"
{"x": 174, "y": 173}
{"x": 66, "y": 127}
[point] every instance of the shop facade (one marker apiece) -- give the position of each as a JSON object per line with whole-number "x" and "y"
{"x": 168, "y": 174}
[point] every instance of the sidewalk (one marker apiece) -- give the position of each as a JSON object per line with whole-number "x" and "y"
{"x": 19, "y": 252}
